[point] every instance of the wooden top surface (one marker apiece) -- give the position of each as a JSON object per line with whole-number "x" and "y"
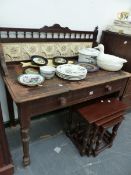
{"x": 100, "y": 110}
{"x": 56, "y": 85}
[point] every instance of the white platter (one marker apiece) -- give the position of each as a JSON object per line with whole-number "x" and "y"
{"x": 30, "y": 79}
{"x": 71, "y": 70}
{"x": 66, "y": 77}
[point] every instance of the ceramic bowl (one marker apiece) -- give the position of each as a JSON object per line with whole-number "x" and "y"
{"x": 109, "y": 66}
{"x": 47, "y": 71}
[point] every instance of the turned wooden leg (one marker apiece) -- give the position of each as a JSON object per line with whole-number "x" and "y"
{"x": 69, "y": 123}
{"x": 25, "y": 142}
{"x": 114, "y": 133}
{"x": 24, "y": 117}
{"x": 10, "y": 108}
{"x": 92, "y": 140}
{"x": 85, "y": 140}
{"x": 99, "y": 141}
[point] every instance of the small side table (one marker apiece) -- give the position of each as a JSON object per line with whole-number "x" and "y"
{"x": 6, "y": 165}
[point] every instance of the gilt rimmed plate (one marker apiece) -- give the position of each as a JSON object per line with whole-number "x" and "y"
{"x": 30, "y": 79}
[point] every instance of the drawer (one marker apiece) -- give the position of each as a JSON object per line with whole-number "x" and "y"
{"x": 77, "y": 96}
{"x": 98, "y": 91}
{"x": 49, "y": 103}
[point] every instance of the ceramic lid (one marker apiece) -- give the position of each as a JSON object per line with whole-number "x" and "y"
{"x": 89, "y": 51}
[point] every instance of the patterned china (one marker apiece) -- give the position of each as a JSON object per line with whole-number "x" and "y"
{"x": 71, "y": 72}
{"x": 47, "y": 71}
{"x": 39, "y": 60}
{"x": 30, "y": 79}
{"x": 59, "y": 60}
{"x": 89, "y": 67}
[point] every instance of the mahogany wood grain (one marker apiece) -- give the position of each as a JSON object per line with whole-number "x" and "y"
{"x": 109, "y": 118}
{"x": 112, "y": 122}
{"x": 103, "y": 110}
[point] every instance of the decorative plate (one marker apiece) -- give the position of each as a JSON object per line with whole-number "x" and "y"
{"x": 30, "y": 79}
{"x": 89, "y": 67}
{"x": 67, "y": 77}
{"x": 31, "y": 70}
{"x": 71, "y": 70}
{"x": 59, "y": 60}
{"x": 39, "y": 60}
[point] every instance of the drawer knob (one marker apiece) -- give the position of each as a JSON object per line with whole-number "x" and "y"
{"x": 63, "y": 100}
{"x": 125, "y": 42}
{"x": 108, "y": 88}
{"x": 91, "y": 93}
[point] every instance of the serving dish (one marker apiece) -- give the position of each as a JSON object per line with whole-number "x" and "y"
{"x": 30, "y": 79}
{"x": 71, "y": 72}
{"x": 67, "y": 77}
{"x": 39, "y": 60}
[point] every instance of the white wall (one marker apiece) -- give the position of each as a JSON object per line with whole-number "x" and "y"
{"x": 75, "y": 14}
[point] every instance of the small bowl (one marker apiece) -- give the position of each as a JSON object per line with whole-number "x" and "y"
{"x": 47, "y": 71}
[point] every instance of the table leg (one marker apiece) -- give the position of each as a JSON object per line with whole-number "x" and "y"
{"x": 114, "y": 133}
{"x": 24, "y": 116}
{"x": 85, "y": 140}
{"x": 69, "y": 122}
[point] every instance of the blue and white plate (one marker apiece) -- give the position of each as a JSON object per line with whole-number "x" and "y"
{"x": 30, "y": 79}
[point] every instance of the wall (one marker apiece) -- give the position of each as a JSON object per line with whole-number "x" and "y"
{"x": 76, "y": 14}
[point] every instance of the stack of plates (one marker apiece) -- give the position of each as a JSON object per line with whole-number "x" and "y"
{"x": 71, "y": 72}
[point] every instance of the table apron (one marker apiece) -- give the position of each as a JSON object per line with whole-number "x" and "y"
{"x": 70, "y": 98}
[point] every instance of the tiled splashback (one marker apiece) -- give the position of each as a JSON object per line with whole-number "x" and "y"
{"x": 23, "y": 51}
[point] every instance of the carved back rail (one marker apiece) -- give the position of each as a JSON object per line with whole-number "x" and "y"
{"x": 53, "y": 33}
